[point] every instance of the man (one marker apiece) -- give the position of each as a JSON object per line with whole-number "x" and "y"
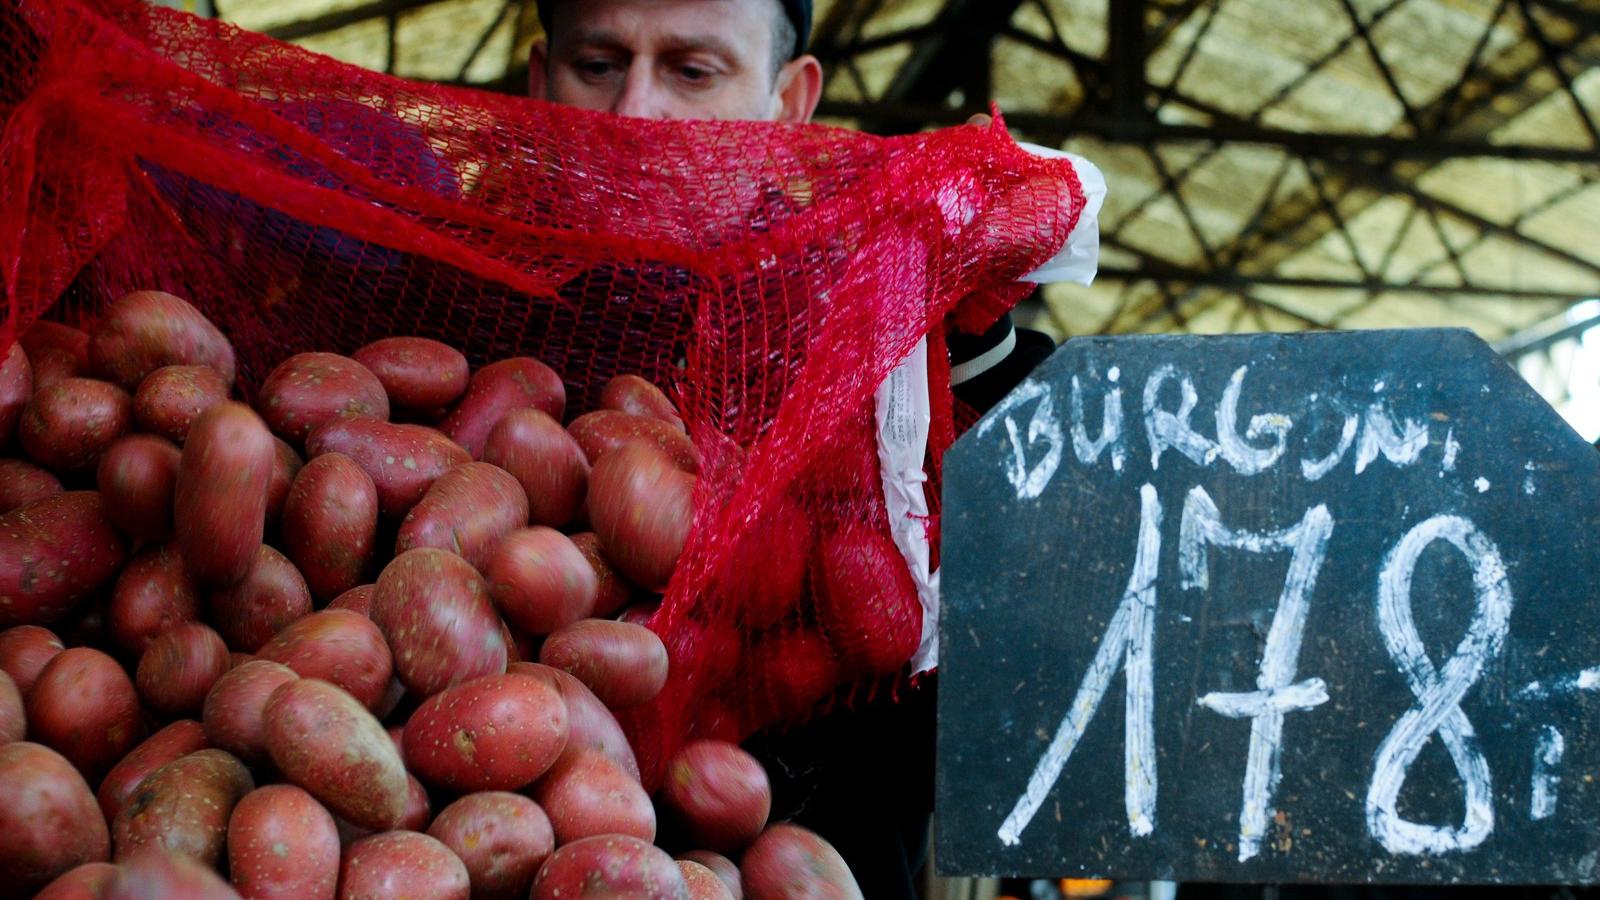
{"x": 861, "y": 778}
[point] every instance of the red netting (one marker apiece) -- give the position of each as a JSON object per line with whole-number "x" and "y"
{"x": 769, "y": 276}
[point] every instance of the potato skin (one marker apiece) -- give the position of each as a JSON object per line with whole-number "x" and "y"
{"x": 790, "y": 862}
{"x": 624, "y": 664}
{"x": 308, "y": 389}
{"x": 13, "y": 716}
{"x": 402, "y": 460}
{"x": 146, "y": 330}
{"x": 721, "y": 866}
{"x": 24, "y": 651}
{"x": 16, "y": 388}
{"x": 50, "y": 820}
{"x": 325, "y": 741}
{"x": 67, "y": 425}
{"x": 609, "y": 865}
{"x": 498, "y": 732}
{"x": 642, "y": 509}
{"x": 89, "y": 881}
{"x": 233, "y": 711}
{"x": 703, "y": 883}
{"x": 718, "y": 793}
{"x": 179, "y": 667}
{"x": 502, "y": 838}
{"x": 402, "y": 863}
{"x": 220, "y": 507}
{"x": 183, "y": 808}
{"x": 612, "y": 589}
{"x": 588, "y": 794}
{"x": 153, "y": 875}
{"x": 282, "y": 843}
{"x": 85, "y": 707}
{"x": 633, "y": 394}
{"x": 604, "y": 430}
{"x": 152, "y": 595}
{"x": 179, "y": 739}
{"x": 172, "y": 397}
{"x": 540, "y": 580}
{"x": 270, "y": 596}
{"x": 66, "y": 534}
{"x": 545, "y": 460}
{"x": 495, "y": 390}
{"x": 136, "y": 477}
{"x": 339, "y": 646}
{"x": 330, "y": 524}
{"x": 417, "y": 373}
{"x": 467, "y": 511}
{"x": 590, "y": 725}
{"x": 433, "y": 609}
{"x": 22, "y": 482}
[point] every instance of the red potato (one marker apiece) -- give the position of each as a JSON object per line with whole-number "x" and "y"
{"x": 233, "y": 711}
{"x": 417, "y": 373}
{"x": 330, "y": 524}
{"x": 286, "y": 464}
{"x": 788, "y": 862}
{"x": 467, "y": 511}
{"x": 146, "y": 330}
{"x": 271, "y": 595}
{"x": 703, "y": 884}
{"x": 177, "y": 740}
{"x": 769, "y": 594}
{"x": 612, "y": 591}
{"x": 793, "y": 671}
{"x": 183, "y": 808}
{"x": 624, "y": 664}
{"x": 136, "y": 477}
{"x": 67, "y": 425}
{"x": 545, "y": 460}
{"x": 866, "y": 601}
{"x": 325, "y": 741}
{"x": 220, "y": 506}
{"x": 308, "y": 389}
{"x": 16, "y": 388}
{"x": 153, "y": 875}
{"x": 639, "y": 613}
{"x": 588, "y": 794}
{"x": 53, "y": 365}
{"x": 502, "y": 838}
{"x": 605, "y": 430}
{"x": 642, "y": 508}
{"x": 179, "y": 668}
{"x": 402, "y": 864}
{"x": 24, "y": 651}
{"x": 704, "y": 653}
{"x": 540, "y": 580}
{"x": 402, "y": 460}
{"x": 13, "y": 721}
{"x": 609, "y": 865}
{"x": 22, "y": 482}
{"x": 636, "y": 395}
{"x": 45, "y": 336}
{"x": 499, "y": 732}
{"x": 498, "y": 388}
{"x": 590, "y": 725}
{"x": 48, "y": 817}
{"x": 85, "y": 707}
{"x": 358, "y": 599}
{"x": 65, "y": 534}
{"x": 153, "y": 594}
{"x": 283, "y": 844}
{"x": 722, "y": 867}
{"x": 339, "y": 646}
{"x": 89, "y": 881}
{"x": 718, "y": 793}
{"x": 172, "y": 397}
{"x": 433, "y": 608}
{"x": 416, "y": 817}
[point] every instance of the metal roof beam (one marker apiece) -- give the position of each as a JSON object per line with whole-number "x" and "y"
{"x": 333, "y": 21}
{"x": 1242, "y": 281}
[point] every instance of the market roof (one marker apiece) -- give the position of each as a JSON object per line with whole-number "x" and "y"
{"x": 1273, "y": 164}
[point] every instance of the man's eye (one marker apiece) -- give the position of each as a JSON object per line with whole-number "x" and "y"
{"x": 595, "y": 68}
{"x": 695, "y": 74}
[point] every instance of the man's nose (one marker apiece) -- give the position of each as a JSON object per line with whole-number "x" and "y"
{"x": 640, "y": 97}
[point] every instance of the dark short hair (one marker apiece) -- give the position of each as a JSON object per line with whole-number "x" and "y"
{"x": 785, "y": 37}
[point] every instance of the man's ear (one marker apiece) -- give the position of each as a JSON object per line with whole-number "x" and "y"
{"x": 799, "y": 90}
{"x": 538, "y": 58}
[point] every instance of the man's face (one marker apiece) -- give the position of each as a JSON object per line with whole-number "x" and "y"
{"x": 673, "y": 59}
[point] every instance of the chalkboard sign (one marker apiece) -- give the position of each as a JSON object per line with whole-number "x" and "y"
{"x": 1275, "y": 608}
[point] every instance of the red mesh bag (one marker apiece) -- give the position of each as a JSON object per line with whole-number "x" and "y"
{"x": 769, "y": 277}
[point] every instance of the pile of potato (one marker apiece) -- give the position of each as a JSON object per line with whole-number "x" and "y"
{"x": 226, "y": 706}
